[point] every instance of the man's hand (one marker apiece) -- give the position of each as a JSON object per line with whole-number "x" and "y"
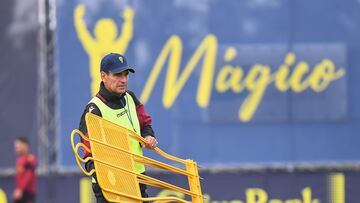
{"x": 128, "y": 13}
{"x": 80, "y": 11}
{"x": 17, "y": 194}
{"x": 151, "y": 142}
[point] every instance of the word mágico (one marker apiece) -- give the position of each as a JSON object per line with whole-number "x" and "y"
{"x": 293, "y": 75}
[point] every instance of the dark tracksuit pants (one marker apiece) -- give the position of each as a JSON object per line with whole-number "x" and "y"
{"x": 97, "y": 190}
{"x": 27, "y": 197}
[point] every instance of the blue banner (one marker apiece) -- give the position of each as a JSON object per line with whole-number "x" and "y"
{"x": 226, "y": 83}
{"x": 320, "y": 186}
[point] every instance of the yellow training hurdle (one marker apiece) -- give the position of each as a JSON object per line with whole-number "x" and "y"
{"x": 114, "y": 164}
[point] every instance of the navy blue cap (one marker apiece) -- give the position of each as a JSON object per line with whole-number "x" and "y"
{"x": 115, "y": 63}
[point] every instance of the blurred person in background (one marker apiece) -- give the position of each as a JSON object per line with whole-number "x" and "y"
{"x": 25, "y": 177}
{"x": 115, "y": 103}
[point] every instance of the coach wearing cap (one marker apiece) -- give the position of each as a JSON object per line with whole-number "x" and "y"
{"x": 114, "y": 102}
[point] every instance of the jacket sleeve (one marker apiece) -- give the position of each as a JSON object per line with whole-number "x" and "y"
{"x": 92, "y": 108}
{"x": 145, "y": 119}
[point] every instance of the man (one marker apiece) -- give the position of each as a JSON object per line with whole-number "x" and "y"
{"x": 25, "y": 177}
{"x": 114, "y": 102}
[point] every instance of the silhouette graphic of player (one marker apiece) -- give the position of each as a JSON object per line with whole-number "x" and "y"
{"x": 104, "y": 41}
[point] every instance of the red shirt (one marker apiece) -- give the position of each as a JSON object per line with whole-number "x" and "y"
{"x": 25, "y": 178}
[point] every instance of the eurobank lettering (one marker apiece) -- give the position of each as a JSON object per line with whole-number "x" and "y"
{"x": 334, "y": 187}
{"x": 292, "y": 75}
{"x": 271, "y": 187}
{"x": 253, "y": 195}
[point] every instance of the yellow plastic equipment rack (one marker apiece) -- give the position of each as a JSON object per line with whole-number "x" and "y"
{"x": 114, "y": 164}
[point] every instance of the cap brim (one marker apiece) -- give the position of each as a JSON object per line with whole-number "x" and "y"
{"x": 121, "y": 69}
